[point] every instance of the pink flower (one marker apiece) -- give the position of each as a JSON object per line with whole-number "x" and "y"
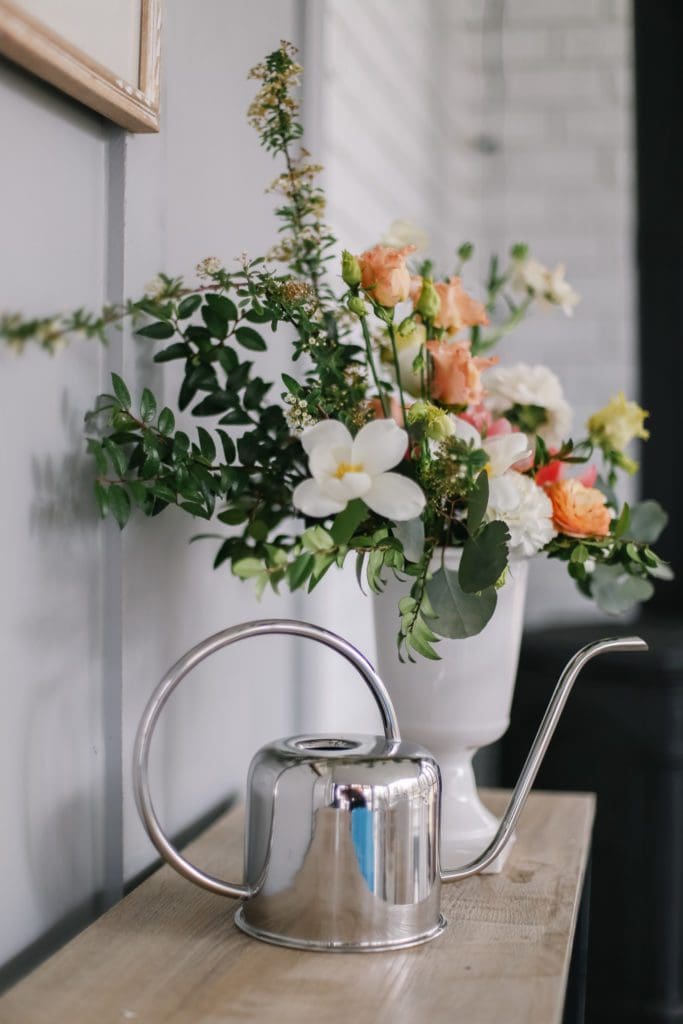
{"x": 385, "y": 275}
{"x": 457, "y": 310}
{"x": 457, "y": 373}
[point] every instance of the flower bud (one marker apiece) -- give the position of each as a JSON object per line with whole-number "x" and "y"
{"x": 436, "y": 423}
{"x": 357, "y": 306}
{"x": 406, "y": 328}
{"x": 465, "y": 252}
{"x": 350, "y": 269}
{"x": 429, "y": 303}
{"x": 520, "y": 251}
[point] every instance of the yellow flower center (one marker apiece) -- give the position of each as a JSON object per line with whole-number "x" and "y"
{"x": 347, "y": 467}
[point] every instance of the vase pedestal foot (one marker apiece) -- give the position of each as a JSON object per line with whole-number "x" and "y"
{"x": 467, "y": 827}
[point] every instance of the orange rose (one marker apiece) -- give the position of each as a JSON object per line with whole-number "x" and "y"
{"x": 385, "y": 275}
{"x": 579, "y": 511}
{"x": 456, "y": 378}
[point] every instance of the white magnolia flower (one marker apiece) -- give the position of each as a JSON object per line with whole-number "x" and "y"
{"x": 503, "y": 450}
{"x": 525, "y": 509}
{"x": 344, "y": 467}
{"x": 403, "y": 232}
{"x": 521, "y": 384}
{"x": 530, "y": 276}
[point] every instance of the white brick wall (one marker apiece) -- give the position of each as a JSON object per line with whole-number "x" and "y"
{"x": 495, "y": 122}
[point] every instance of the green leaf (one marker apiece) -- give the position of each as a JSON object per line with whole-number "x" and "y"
{"x": 458, "y": 614}
{"x": 159, "y": 330}
{"x": 250, "y": 339}
{"x": 620, "y": 525}
{"x": 616, "y": 591}
{"x": 247, "y": 567}
{"x": 179, "y": 350}
{"x": 101, "y": 498}
{"x": 95, "y": 449}
{"x": 216, "y": 324}
{"x": 484, "y": 558}
{"x": 208, "y": 448}
{"x": 229, "y": 450}
{"x": 291, "y": 384}
{"x": 195, "y": 509}
{"x": 299, "y": 570}
{"x": 347, "y": 521}
{"x": 148, "y": 405}
{"x": 317, "y": 540}
{"x": 166, "y": 422}
{"x": 374, "y": 570}
{"x": 648, "y": 519}
{"x": 188, "y": 306}
{"x": 224, "y": 307}
{"x": 117, "y": 456}
{"x": 411, "y": 534}
{"x": 119, "y": 504}
{"x": 477, "y": 502}
{"x": 232, "y": 516}
{"x": 121, "y": 391}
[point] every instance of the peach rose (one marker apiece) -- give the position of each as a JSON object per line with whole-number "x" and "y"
{"x": 456, "y": 378}
{"x": 579, "y": 511}
{"x": 385, "y": 275}
{"x": 458, "y": 309}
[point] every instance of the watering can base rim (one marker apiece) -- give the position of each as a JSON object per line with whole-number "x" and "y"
{"x": 312, "y": 945}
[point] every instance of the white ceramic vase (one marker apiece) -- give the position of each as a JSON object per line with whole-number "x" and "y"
{"x": 457, "y": 705}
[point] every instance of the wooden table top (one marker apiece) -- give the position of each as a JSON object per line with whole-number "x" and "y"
{"x": 170, "y": 954}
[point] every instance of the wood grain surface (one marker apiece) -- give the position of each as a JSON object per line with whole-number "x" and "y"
{"x": 170, "y": 952}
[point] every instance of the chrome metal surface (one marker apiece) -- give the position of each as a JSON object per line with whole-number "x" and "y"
{"x": 342, "y": 843}
{"x": 337, "y": 947}
{"x": 168, "y": 684}
{"x": 538, "y": 749}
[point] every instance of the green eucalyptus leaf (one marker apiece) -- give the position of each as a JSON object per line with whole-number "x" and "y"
{"x": 458, "y": 614}
{"x": 484, "y": 558}
{"x": 616, "y": 591}
{"x": 478, "y": 503}
{"x": 648, "y": 519}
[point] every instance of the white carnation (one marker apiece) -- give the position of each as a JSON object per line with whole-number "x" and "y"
{"x": 530, "y": 385}
{"x": 525, "y": 509}
{"x": 545, "y": 285}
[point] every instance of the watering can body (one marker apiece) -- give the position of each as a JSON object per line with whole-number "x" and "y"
{"x": 342, "y": 832}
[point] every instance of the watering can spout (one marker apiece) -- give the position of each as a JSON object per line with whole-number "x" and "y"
{"x": 538, "y": 749}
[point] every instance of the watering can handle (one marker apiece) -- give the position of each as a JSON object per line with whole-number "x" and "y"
{"x": 264, "y": 627}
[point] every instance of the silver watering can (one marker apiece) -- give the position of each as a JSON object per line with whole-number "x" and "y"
{"x": 342, "y": 832}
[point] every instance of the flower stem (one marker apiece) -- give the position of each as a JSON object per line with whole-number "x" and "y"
{"x": 371, "y": 363}
{"x": 392, "y": 335}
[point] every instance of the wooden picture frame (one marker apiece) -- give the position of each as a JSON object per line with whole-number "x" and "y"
{"x": 38, "y": 48}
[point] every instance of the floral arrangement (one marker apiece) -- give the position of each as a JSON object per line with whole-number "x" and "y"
{"x": 399, "y": 437}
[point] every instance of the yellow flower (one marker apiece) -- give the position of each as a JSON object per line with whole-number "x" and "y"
{"x": 619, "y": 422}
